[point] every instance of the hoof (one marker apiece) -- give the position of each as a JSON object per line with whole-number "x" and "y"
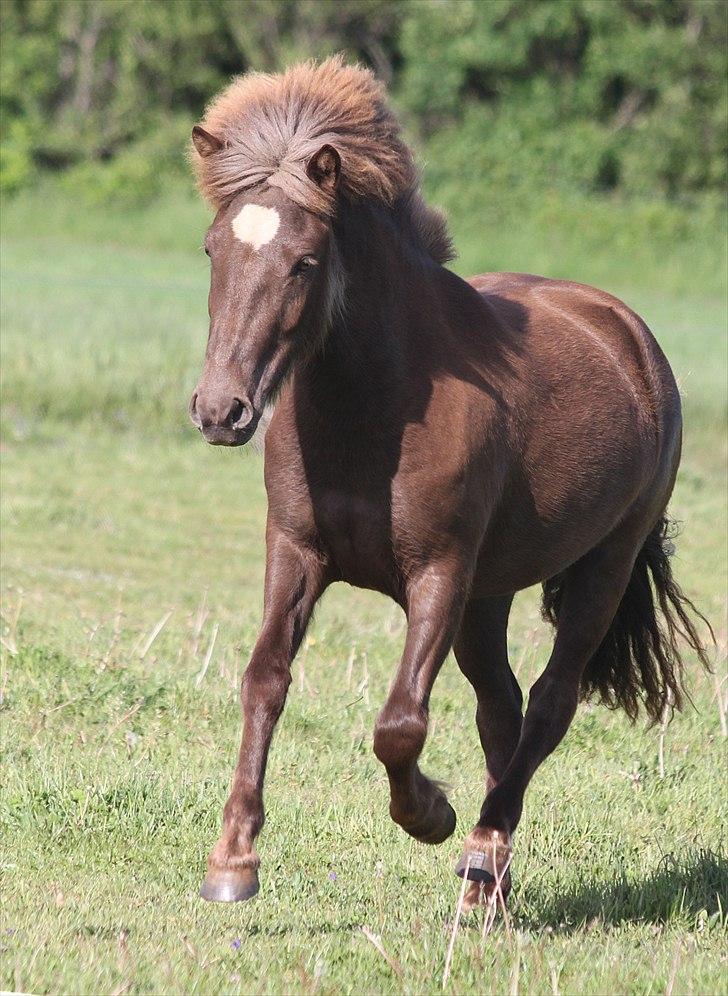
{"x": 230, "y": 885}
{"x": 444, "y": 829}
{"x": 486, "y": 857}
{"x": 435, "y": 827}
{"x": 476, "y": 866}
{"x": 483, "y": 893}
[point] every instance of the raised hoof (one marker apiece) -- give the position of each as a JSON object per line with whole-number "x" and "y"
{"x": 429, "y": 831}
{"x": 230, "y": 885}
{"x": 445, "y": 829}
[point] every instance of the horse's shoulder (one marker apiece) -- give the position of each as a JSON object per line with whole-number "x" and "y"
{"x": 512, "y": 298}
{"x": 530, "y": 296}
{"x": 529, "y": 289}
{"x": 486, "y": 283}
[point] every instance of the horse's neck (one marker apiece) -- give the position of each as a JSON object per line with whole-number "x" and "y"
{"x": 365, "y": 361}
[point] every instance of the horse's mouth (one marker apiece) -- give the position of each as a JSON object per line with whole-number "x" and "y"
{"x": 223, "y": 435}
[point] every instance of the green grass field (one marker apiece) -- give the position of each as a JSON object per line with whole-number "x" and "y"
{"x": 119, "y": 524}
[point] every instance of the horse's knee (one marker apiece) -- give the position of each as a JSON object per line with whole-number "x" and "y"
{"x": 399, "y": 735}
{"x": 265, "y": 686}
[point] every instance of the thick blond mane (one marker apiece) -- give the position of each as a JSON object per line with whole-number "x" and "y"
{"x": 271, "y": 125}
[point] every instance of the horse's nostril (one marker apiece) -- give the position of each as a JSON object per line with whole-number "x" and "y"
{"x": 241, "y": 414}
{"x": 192, "y": 410}
{"x": 237, "y": 410}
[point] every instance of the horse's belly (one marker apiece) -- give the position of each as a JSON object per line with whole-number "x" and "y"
{"x": 541, "y": 532}
{"x": 522, "y": 566}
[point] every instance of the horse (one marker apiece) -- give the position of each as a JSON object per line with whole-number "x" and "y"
{"x": 446, "y": 442}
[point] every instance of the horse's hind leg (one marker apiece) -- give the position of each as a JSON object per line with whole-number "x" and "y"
{"x": 592, "y": 591}
{"x": 482, "y": 653}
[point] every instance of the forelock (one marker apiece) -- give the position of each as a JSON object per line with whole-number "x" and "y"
{"x": 272, "y": 125}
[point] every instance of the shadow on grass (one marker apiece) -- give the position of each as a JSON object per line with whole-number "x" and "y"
{"x": 680, "y": 887}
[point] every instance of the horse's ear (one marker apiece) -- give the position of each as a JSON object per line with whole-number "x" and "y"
{"x": 204, "y": 142}
{"x": 324, "y": 168}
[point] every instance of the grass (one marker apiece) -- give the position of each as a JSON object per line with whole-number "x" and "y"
{"x": 118, "y": 753}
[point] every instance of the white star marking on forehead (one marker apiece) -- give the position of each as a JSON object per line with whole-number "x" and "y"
{"x": 256, "y": 225}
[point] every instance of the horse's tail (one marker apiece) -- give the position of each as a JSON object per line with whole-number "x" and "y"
{"x": 639, "y": 659}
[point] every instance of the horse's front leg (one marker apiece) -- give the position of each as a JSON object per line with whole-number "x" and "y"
{"x": 294, "y": 580}
{"x": 434, "y": 606}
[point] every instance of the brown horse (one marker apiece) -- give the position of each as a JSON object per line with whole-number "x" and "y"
{"x": 445, "y": 442}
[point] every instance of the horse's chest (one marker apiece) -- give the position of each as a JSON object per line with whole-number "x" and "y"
{"x": 356, "y": 532}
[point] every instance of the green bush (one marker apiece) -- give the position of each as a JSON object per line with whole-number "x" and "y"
{"x": 16, "y": 159}
{"x": 628, "y": 95}
{"x": 625, "y": 95}
{"x": 138, "y": 174}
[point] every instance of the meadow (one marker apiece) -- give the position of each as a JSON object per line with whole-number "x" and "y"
{"x": 132, "y": 559}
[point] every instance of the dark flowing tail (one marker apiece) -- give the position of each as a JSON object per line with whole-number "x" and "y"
{"x": 639, "y": 659}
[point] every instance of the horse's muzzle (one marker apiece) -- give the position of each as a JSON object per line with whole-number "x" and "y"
{"x": 227, "y": 422}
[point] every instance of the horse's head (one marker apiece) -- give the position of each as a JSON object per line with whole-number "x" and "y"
{"x": 270, "y": 294}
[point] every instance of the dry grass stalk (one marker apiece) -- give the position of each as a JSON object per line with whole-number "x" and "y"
{"x": 208, "y": 656}
{"x": 488, "y": 916}
{"x": 554, "y": 981}
{"x": 190, "y": 949}
{"x": 45, "y": 713}
{"x": 495, "y": 898}
{"x": 456, "y": 924}
{"x": 94, "y": 630}
{"x": 516, "y": 974}
{"x": 10, "y": 639}
{"x": 350, "y": 666}
{"x": 673, "y": 970}
{"x": 721, "y": 698}
{"x": 303, "y": 683}
{"x": 377, "y": 942}
{"x": 498, "y": 891}
{"x": 363, "y": 689}
{"x": 127, "y": 715}
{"x": 200, "y": 619}
{"x": 115, "y": 636}
{"x": 146, "y": 647}
{"x": 302, "y": 667}
{"x": 664, "y": 722}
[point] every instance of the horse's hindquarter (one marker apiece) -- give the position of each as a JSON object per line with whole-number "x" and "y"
{"x": 596, "y": 431}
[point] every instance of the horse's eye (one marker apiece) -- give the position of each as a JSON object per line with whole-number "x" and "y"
{"x": 304, "y": 264}
{"x": 207, "y": 251}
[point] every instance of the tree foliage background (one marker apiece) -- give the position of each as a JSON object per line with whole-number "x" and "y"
{"x": 604, "y": 95}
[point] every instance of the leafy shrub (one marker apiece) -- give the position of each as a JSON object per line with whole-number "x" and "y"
{"x": 627, "y": 95}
